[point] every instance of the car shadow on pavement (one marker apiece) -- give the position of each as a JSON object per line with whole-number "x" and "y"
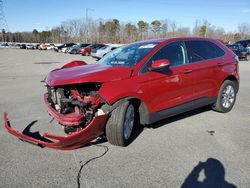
{"x": 46, "y": 63}
{"x": 213, "y": 176}
{"x": 35, "y": 135}
{"x": 179, "y": 117}
{"x": 137, "y": 129}
{"x": 136, "y": 132}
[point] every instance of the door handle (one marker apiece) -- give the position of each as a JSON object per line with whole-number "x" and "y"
{"x": 220, "y": 64}
{"x": 188, "y": 71}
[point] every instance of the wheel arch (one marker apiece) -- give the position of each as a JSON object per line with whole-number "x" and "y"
{"x": 233, "y": 79}
{"x": 142, "y": 110}
{"x": 139, "y": 105}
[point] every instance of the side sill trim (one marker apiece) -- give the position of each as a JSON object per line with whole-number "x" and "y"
{"x": 163, "y": 114}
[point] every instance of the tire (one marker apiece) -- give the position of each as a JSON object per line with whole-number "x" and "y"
{"x": 74, "y": 52}
{"x": 120, "y": 125}
{"x": 247, "y": 57}
{"x": 87, "y": 53}
{"x": 226, "y": 97}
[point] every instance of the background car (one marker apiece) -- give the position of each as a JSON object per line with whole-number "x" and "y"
{"x": 17, "y": 45}
{"x": 30, "y": 46}
{"x": 245, "y": 43}
{"x": 76, "y": 48}
{"x": 4, "y": 45}
{"x": 62, "y": 48}
{"x": 87, "y": 50}
{"x": 103, "y": 51}
{"x": 50, "y": 46}
{"x": 42, "y": 47}
{"x": 94, "y": 50}
{"x": 23, "y": 46}
{"x": 37, "y": 46}
{"x": 241, "y": 51}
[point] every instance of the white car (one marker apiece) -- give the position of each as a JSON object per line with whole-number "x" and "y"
{"x": 103, "y": 51}
{"x": 64, "y": 50}
{"x": 30, "y": 46}
{"x": 4, "y": 45}
{"x": 50, "y": 46}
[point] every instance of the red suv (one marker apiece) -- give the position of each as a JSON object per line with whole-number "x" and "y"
{"x": 139, "y": 83}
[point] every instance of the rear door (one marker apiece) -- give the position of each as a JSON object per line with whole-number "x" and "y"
{"x": 207, "y": 61}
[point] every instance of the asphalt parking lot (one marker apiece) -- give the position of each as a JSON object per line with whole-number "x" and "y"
{"x": 178, "y": 152}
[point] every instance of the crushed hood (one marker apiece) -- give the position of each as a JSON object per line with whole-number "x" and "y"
{"x": 87, "y": 73}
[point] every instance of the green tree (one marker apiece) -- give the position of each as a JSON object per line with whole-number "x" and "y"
{"x": 203, "y": 31}
{"x": 164, "y": 29}
{"x": 142, "y": 29}
{"x": 102, "y": 31}
{"x": 45, "y": 36}
{"x": 131, "y": 32}
{"x": 115, "y": 30}
{"x": 156, "y": 27}
{"x": 35, "y": 34}
{"x": 112, "y": 30}
{"x": 3, "y": 35}
{"x": 237, "y": 36}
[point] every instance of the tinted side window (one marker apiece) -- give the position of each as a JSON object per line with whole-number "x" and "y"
{"x": 174, "y": 52}
{"x": 203, "y": 50}
{"x": 219, "y": 51}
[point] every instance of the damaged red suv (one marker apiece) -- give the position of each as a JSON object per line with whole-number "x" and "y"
{"x": 140, "y": 83}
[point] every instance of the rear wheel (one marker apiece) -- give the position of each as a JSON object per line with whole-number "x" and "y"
{"x": 248, "y": 57}
{"x": 226, "y": 97}
{"x": 120, "y": 125}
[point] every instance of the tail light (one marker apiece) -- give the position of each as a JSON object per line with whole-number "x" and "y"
{"x": 236, "y": 58}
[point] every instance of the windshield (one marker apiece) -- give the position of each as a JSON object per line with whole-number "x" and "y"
{"x": 128, "y": 55}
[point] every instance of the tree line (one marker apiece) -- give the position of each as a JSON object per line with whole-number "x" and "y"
{"x": 115, "y": 31}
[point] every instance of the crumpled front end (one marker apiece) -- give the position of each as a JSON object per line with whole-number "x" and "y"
{"x": 78, "y": 109}
{"x": 74, "y": 106}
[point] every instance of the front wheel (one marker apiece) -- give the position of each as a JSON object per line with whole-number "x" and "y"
{"x": 226, "y": 97}
{"x": 120, "y": 125}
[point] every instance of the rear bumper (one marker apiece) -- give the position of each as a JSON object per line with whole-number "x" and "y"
{"x": 75, "y": 140}
{"x": 95, "y": 56}
{"x": 242, "y": 54}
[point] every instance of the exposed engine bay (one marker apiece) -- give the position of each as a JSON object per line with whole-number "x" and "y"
{"x": 79, "y": 100}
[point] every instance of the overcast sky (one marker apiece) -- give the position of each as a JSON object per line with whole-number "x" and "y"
{"x": 26, "y": 15}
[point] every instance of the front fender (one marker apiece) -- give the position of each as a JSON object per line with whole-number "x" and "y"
{"x": 117, "y": 90}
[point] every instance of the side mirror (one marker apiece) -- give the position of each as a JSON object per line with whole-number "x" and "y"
{"x": 159, "y": 64}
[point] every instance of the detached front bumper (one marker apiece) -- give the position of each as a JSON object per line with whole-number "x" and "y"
{"x": 75, "y": 140}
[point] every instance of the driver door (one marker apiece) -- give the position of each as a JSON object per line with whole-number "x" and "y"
{"x": 170, "y": 86}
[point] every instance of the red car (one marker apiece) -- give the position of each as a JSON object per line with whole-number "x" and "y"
{"x": 87, "y": 50}
{"x": 140, "y": 83}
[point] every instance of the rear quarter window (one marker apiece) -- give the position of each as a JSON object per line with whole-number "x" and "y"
{"x": 203, "y": 50}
